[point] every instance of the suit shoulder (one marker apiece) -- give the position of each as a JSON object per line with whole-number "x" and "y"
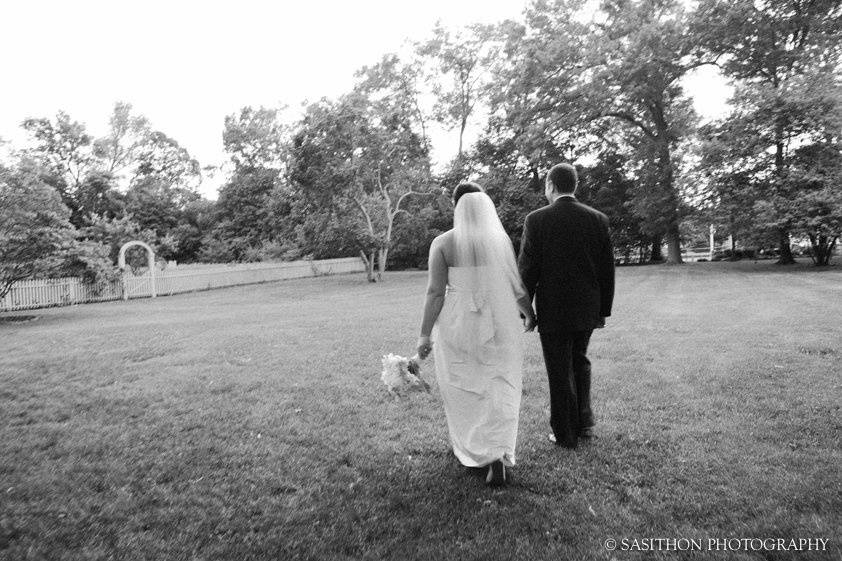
{"x": 601, "y": 216}
{"x": 538, "y": 213}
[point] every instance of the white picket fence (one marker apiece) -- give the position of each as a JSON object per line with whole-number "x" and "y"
{"x": 43, "y": 293}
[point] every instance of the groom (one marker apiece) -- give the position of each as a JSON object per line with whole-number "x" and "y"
{"x": 567, "y": 263}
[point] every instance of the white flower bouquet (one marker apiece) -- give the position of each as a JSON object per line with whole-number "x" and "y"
{"x": 402, "y": 375}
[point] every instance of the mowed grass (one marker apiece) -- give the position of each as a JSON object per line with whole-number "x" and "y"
{"x": 250, "y": 423}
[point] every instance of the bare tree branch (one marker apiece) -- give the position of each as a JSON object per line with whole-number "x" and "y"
{"x": 398, "y": 208}
{"x": 365, "y": 213}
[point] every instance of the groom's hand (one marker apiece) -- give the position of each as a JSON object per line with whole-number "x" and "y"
{"x": 601, "y": 323}
{"x": 529, "y": 323}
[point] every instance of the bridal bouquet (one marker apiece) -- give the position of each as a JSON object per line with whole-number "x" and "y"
{"x": 402, "y": 374}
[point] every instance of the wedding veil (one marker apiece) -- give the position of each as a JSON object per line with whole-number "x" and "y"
{"x": 483, "y": 244}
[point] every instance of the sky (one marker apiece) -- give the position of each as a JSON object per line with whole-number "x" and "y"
{"x": 186, "y": 64}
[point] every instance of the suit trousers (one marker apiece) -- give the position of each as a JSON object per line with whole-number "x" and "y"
{"x": 569, "y": 373}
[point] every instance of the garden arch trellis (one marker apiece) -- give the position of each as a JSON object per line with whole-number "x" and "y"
{"x": 121, "y": 262}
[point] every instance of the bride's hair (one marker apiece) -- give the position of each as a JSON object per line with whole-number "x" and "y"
{"x": 466, "y": 187}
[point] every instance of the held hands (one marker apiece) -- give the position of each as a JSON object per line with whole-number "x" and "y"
{"x": 425, "y": 347}
{"x": 529, "y": 322}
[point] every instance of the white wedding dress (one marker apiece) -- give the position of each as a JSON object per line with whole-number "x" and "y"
{"x": 479, "y": 364}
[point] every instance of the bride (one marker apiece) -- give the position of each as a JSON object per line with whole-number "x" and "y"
{"x": 474, "y": 294}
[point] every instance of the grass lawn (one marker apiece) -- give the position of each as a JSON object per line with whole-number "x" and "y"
{"x": 250, "y": 423}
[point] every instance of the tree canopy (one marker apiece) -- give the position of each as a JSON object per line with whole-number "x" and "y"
{"x": 600, "y": 84}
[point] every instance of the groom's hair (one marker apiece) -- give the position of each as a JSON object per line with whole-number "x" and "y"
{"x": 563, "y": 178}
{"x": 463, "y": 188}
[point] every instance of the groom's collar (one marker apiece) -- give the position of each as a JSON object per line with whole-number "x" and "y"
{"x": 565, "y": 196}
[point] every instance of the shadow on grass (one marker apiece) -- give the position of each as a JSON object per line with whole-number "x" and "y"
{"x": 14, "y": 319}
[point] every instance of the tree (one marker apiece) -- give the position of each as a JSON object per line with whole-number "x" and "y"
{"x": 35, "y": 230}
{"x": 128, "y": 134}
{"x": 784, "y": 56}
{"x": 459, "y": 73}
{"x": 400, "y": 82}
{"x": 156, "y": 205}
{"x": 252, "y": 207}
{"x": 607, "y": 186}
{"x": 243, "y": 214}
{"x": 97, "y": 195}
{"x": 333, "y": 232}
{"x": 61, "y": 157}
{"x": 161, "y": 174}
{"x": 64, "y": 147}
{"x": 196, "y": 221}
{"x": 360, "y": 157}
{"x": 415, "y": 229}
{"x": 162, "y": 158}
{"x": 89, "y": 261}
{"x": 763, "y": 193}
{"x": 256, "y": 139}
{"x": 816, "y": 173}
{"x": 567, "y": 80}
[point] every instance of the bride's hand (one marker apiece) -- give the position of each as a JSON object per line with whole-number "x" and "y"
{"x": 529, "y": 323}
{"x": 425, "y": 346}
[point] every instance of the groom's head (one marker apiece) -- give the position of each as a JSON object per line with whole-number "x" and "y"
{"x": 561, "y": 180}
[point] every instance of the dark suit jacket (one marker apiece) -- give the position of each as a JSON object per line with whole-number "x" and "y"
{"x": 566, "y": 262}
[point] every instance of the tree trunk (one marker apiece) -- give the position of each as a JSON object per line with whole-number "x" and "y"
{"x": 462, "y": 126}
{"x": 674, "y": 247}
{"x": 785, "y": 257}
{"x": 829, "y": 252}
{"x": 668, "y": 186}
{"x": 822, "y": 247}
{"x": 657, "y": 255}
{"x": 369, "y": 265}
{"x": 382, "y": 255}
{"x": 785, "y": 251}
